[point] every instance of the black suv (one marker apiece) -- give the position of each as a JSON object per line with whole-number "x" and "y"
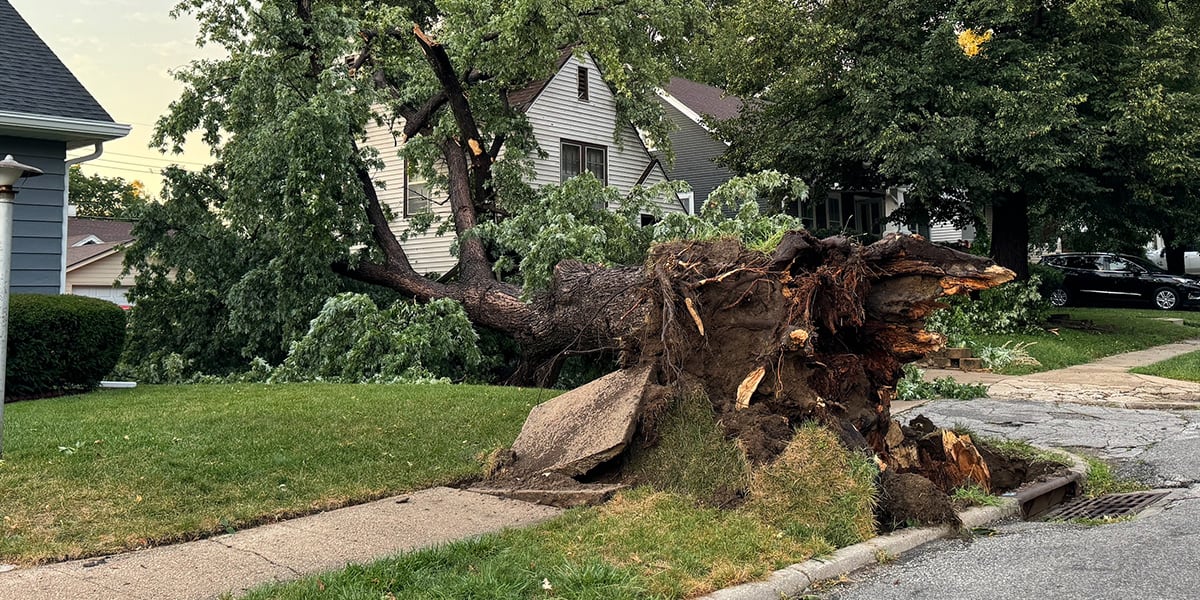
{"x": 1104, "y": 276}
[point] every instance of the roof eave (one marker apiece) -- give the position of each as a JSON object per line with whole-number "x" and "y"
{"x": 77, "y": 133}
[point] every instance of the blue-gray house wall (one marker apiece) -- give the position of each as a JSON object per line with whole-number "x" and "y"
{"x": 37, "y": 216}
{"x": 696, "y": 152}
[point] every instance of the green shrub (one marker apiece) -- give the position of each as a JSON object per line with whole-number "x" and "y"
{"x": 61, "y": 343}
{"x": 1015, "y": 307}
{"x": 912, "y": 386}
{"x": 353, "y": 341}
{"x": 1049, "y": 278}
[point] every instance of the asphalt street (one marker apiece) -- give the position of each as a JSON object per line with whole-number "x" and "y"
{"x": 1155, "y": 556}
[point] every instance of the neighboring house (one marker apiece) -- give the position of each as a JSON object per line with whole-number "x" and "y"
{"x": 95, "y": 252}
{"x": 867, "y": 211}
{"x": 691, "y": 107}
{"x": 44, "y": 112}
{"x": 573, "y": 115}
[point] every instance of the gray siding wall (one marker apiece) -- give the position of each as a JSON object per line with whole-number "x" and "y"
{"x": 37, "y": 216}
{"x": 695, "y": 153}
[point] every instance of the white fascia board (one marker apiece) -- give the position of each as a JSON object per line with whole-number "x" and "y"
{"x": 696, "y": 117}
{"x": 76, "y": 132}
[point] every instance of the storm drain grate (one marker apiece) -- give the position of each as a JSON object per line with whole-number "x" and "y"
{"x": 1107, "y": 506}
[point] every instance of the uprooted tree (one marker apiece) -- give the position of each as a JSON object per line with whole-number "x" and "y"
{"x": 808, "y": 330}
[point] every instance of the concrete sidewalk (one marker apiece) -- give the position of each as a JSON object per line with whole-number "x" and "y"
{"x": 282, "y": 551}
{"x": 1105, "y": 382}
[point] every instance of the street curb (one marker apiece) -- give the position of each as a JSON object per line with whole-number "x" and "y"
{"x": 790, "y": 582}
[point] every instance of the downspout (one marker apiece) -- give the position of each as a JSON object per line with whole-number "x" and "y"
{"x": 98, "y": 149}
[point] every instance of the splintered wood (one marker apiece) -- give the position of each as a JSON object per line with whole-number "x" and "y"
{"x": 748, "y": 386}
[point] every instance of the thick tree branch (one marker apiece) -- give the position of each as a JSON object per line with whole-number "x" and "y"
{"x": 381, "y": 230}
{"x": 475, "y": 264}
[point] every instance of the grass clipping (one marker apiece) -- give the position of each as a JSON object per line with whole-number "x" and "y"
{"x": 817, "y": 489}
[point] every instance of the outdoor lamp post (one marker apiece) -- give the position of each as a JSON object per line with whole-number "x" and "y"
{"x": 10, "y": 172}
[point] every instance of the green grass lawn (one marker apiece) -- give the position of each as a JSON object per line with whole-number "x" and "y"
{"x": 1185, "y": 367}
{"x": 1120, "y": 330}
{"x": 121, "y": 469}
{"x": 642, "y": 544}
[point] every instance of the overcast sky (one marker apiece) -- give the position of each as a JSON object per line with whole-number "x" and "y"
{"x": 123, "y": 51}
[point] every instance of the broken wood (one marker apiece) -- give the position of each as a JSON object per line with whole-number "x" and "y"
{"x": 817, "y": 331}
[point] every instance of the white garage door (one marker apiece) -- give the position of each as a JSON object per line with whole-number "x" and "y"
{"x": 116, "y": 295}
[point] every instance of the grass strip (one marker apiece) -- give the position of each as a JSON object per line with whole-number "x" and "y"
{"x": 117, "y": 470}
{"x": 1118, "y": 330}
{"x": 1185, "y": 367}
{"x": 644, "y": 543}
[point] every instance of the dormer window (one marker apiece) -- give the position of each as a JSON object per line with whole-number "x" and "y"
{"x": 582, "y": 83}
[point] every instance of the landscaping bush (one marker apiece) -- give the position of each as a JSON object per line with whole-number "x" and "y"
{"x": 61, "y": 343}
{"x": 1049, "y": 278}
{"x": 1015, "y": 307}
{"x": 353, "y": 341}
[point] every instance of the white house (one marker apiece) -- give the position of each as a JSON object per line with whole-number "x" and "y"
{"x": 573, "y": 115}
{"x": 95, "y": 259}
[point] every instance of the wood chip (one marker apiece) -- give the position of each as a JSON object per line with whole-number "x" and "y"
{"x": 748, "y": 386}
{"x": 691, "y": 306}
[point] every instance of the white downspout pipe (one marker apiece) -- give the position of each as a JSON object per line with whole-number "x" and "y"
{"x": 68, "y": 212}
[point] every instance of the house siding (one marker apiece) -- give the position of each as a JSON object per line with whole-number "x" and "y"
{"x": 37, "y": 248}
{"x": 103, "y": 272}
{"x": 695, "y": 152}
{"x": 556, "y": 115}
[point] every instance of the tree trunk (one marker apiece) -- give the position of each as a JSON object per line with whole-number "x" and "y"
{"x": 1010, "y": 234}
{"x": 1174, "y": 252}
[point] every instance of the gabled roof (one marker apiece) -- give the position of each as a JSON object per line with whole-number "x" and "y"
{"x": 32, "y": 78}
{"x": 107, "y": 230}
{"x": 79, "y": 256}
{"x": 39, "y": 97}
{"x": 701, "y": 100}
{"x": 523, "y": 98}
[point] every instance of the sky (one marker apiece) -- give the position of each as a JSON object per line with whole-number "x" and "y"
{"x": 123, "y": 51}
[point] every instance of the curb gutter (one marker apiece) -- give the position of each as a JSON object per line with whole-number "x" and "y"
{"x": 790, "y": 582}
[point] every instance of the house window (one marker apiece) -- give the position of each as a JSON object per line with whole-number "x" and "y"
{"x": 649, "y": 220}
{"x": 416, "y": 193}
{"x": 579, "y": 157}
{"x": 582, "y": 83}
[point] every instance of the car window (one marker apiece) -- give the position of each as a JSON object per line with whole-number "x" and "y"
{"x": 1112, "y": 263}
{"x": 1082, "y": 262}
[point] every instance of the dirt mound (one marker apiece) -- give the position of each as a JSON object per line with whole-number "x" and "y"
{"x": 817, "y": 331}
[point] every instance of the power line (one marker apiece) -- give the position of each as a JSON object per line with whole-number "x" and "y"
{"x": 142, "y": 171}
{"x": 163, "y": 159}
{"x": 131, "y": 164}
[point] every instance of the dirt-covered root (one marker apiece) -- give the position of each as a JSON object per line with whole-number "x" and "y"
{"x": 910, "y": 499}
{"x": 816, "y": 331}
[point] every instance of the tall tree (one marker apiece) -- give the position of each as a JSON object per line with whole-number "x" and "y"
{"x": 1064, "y": 110}
{"x": 285, "y": 114}
{"x": 106, "y": 197}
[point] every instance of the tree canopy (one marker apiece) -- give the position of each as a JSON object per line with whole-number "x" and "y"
{"x": 1077, "y": 114}
{"x": 106, "y": 197}
{"x": 291, "y": 192}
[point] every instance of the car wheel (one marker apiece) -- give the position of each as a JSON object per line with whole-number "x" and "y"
{"x": 1166, "y": 298}
{"x": 1059, "y": 297}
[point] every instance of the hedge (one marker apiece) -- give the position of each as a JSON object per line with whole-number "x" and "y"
{"x": 60, "y": 344}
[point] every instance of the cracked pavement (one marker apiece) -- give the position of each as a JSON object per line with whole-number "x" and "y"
{"x": 1150, "y": 556}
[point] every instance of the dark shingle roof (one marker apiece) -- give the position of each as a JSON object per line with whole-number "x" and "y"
{"x": 523, "y": 98}
{"x": 79, "y": 254}
{"x": 32, "y": 78}
{"x": 108, "y": 230}
{"x": 705, "y": 100}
